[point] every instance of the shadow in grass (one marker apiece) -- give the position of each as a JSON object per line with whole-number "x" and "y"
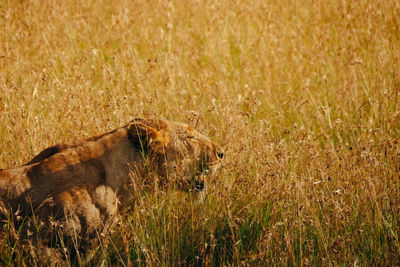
{"x": 240, "y": 240}
{"x": 217, "y": 242}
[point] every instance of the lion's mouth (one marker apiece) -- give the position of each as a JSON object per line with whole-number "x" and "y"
{"x": 198, "y": 185}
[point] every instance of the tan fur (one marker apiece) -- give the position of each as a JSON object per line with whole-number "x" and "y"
{"x": 78, "y": 186}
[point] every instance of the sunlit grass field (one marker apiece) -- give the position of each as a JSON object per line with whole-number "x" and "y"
{"x": 304, "y": 96}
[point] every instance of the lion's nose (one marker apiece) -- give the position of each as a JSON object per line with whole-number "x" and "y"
{"x": 199, "y": 185}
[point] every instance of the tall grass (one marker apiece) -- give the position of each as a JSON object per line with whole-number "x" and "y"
{"x": 303, "y": 95}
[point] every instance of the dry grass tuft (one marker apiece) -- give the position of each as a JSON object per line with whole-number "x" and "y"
{"x": 304, "y": 96}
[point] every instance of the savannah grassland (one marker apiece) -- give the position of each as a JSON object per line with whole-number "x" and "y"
{"x": 303, "y": 95}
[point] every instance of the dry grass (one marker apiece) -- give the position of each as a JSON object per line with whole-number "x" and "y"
{"x": 304, "y": 96}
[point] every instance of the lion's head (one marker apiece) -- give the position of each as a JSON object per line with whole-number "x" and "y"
{"x": 181, "y": 155}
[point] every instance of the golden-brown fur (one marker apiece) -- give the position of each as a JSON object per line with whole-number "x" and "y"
{"x": 78, "y": 186}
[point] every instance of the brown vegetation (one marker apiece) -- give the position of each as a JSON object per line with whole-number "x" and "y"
{"x": 304, "y": 96}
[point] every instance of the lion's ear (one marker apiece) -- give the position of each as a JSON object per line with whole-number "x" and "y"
{"x": 141, "y": 135}
{"x": 145, "y": 137}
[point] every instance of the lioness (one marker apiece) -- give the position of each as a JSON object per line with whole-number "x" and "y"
{"x": 79, "y": 186}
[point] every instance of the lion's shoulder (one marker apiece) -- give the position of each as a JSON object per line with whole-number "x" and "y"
{"x": 103, "y": 139}
{"x": 48, "y": 152}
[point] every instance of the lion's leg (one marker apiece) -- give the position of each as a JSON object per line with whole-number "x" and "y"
{"x": 82, "y": 219}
